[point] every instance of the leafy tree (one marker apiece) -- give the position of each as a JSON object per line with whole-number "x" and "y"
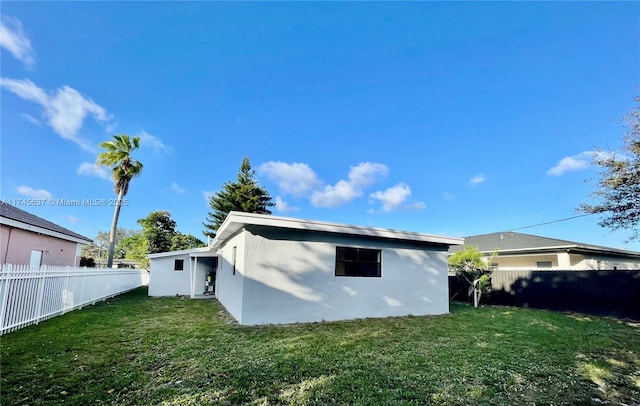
{"x": 158, "y": 234}
{"x": 181, "y": 241}
{"x": 98, "y": 249}
{"x": 471, "y": 266}
{"x": 158, "y": 228}
{"x": 244, "y": 195}
{"x": 117, "y": 157}
{"x": 618, "y": 190}
{"x": 135, "y": 247}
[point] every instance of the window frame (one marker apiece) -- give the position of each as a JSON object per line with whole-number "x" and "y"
{"x": 233, "y": 260}
{"x": 359, "y": 266}
{"x": 176, "y": 267}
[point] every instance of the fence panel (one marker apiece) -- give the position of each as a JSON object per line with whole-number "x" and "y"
{"x": 29, "y": 295}
{"x": 598, "y": 292}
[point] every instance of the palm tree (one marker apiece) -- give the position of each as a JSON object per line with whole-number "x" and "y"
{"x": 117, "y": 157}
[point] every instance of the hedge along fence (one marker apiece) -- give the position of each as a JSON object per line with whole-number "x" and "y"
{"x": 598, "y": 292}
{"x": 29, "y": 295}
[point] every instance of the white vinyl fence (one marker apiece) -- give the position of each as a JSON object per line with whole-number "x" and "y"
{"x": 30, "y": 295}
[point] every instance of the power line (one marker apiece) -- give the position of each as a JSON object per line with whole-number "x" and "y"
{"x": 551, "y": 222}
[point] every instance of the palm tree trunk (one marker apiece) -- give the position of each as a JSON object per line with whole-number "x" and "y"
{"x": 114, "y": 227}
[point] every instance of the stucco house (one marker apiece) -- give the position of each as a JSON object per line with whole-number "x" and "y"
{"x": 278, "y": 270}
{"x": 526, "y": 251}
{"x": 26, "y": 239}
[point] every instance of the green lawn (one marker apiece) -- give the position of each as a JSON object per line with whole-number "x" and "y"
{"x": 173, "y": 351}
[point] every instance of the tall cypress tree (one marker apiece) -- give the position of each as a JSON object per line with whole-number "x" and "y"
{"x": 244, "y": 195}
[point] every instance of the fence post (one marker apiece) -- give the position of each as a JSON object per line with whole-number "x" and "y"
{"x": 40, "y": 298}
{"x": 84, "y": 282}
{"x": 65, "y": 291}
{"x": 6, "y": 268}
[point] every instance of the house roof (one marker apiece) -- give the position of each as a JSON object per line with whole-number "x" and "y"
{"x": 509, "y": 242}
{"x": 236, "y": 221}
{"x": 15, "y": 217}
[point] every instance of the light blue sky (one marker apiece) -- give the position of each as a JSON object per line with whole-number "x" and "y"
{"x": 444, "y": 118}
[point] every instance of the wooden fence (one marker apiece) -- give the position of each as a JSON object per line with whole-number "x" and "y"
{"x": 614, "y": 293}
{"x": 30, "y": 295}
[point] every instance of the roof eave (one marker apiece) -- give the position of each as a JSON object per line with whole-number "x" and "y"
{"x": 235, "y": 221}
{"x": 45, "y": 231}
{"x": 192, "y": 252}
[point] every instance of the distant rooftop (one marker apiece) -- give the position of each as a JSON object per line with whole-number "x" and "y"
{"x": 511, "y": 242}
{"x": 13, "y": 213}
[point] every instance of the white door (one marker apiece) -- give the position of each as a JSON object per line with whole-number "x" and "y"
{"x": 36, "y": 259}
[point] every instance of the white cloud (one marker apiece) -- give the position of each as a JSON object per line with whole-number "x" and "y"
{"x": 448, "y": 196}
{"x": 73, "y": 219}
{"x": 31, "y": 119}
{"x": 154, "y": 143}
{"x": 575, "y": 162}
{"x": 360, "y": 177}
{"x": 34, "y": 193}
{"x": 26, "y": 89}
{"x": 283, "y": 206}
{"x": 416, "y": 206}
{"x": 394, "y": 197}
{"x": 296, "y": 179}
{"x": 91, "y": 169}
{"x": 207, "y": 196}
{"x": 68, "y": 109}
{"x": 176, "y": 188}
{"x": 477, "y": 179}
{"x": 13, "y": 39}
{"x": 65, "y": 110}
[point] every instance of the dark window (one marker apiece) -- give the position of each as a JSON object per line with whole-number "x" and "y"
{"x": 358, "y": 262}
{"x": 544, "y": 264}
{"x": 178, "y": 265}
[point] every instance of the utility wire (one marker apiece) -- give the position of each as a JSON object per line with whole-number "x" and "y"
{"x": 551, "y": 222}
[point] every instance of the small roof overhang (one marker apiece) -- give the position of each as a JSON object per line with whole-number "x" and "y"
{"x": 236, "y": 221}
{"x": 193, "y": 252}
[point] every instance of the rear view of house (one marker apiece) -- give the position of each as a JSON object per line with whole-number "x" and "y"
{"x": 26, "y": 239}
{"x": 285, "y": 270}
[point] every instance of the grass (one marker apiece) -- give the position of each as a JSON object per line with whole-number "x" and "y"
{"x": 174, "y": 351}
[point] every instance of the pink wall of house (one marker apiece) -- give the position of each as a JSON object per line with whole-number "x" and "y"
{"x": 16, "y": 246}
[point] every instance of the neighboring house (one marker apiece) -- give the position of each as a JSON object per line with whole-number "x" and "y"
{"x": 284, "y": 270}
{"x": 525, "y": 251}
{"x": 26, "y": 239}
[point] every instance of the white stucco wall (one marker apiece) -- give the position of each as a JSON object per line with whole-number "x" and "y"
{"x": 164, "y": 281}
{"x": 565, "y": 261}
{"x": 229, "y": 287}
{"x": 602, "y": 262}
{"x": 288, "y": 276}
